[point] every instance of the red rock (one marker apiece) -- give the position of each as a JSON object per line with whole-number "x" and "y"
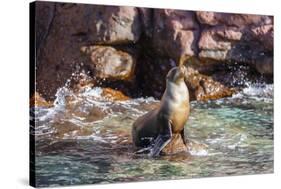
{"x": 238, "y": 38}
{"x": 175, "y": 33}
{"x": 64, "y": 28}
{"x": 114, "y": 25}
{"x": 206, "y": 17}
{"x": 219, "y": 38}
{"x": 264, "y": 34}
{"x": 216, "y": 42}
{"x": 231, "y": 19}
{"x": 169, "y": 36}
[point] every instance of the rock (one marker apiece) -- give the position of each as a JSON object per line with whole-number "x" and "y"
{"x": 146, "y": 16}
{"x": 264, "y": 65}
{"x": 161, "y": 37}
{"x": 111, "y": 64}
{"x": 69, "y": 130}
{"x": 264, "y": 34}
{"x": 82, "y": 82}
{"x": 238, "y": 38}
{"x": 202, "y": 87}
{"x": 59, "y": 55}
{"x": 176, "y": 145}
{"x": 44, "y": 10}
{"x": 216, "y": 42}
{"x": 210, "y": 38}
{"x": 114, "y": 25}
{"x": 153, "y": 82}
{"x": 175, "y": 33}
{"x": 38, "y": 101}
{"x": 113, "y": 95}
{"x": 231, "y": 19}
{"x": 62, "y": 28}
{"x": 206, "y": 17}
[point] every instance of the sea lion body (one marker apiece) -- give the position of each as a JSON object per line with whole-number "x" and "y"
{"x": 161, "y": 125}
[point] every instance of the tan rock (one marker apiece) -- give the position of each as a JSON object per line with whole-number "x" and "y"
{"x": 114, "y": 95}
{"x": 111, "y": 64}
{"x": 38, "y": 101}
{"x": 176, "y": 145}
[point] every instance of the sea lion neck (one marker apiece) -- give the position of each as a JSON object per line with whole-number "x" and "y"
{"x": 179, "y": 86}
{"x": 170, "y": 82}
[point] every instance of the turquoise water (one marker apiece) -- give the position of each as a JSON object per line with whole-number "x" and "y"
{"x": 85, "y": 139}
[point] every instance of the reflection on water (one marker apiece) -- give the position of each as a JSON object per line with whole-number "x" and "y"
{"x": 85, "y": 139}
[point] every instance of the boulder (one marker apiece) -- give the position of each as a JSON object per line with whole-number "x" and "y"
{"x": 176, "y": 145}
{"x": 203, "y": 87}
{"x": 114, "y": 25}
{"x": 175, "y": 33}
{"x": 44, "y": 10}
{"x": 215, "y": 43}
{"x": 146, "y": 16}
{"x": 113, "y": 95}
{"x": 132, "y": 49}
{"x": 63, "y": 28}
{"x": 109, "y": 63}
{"x": 231, "y": 19}
{"x": 264, "y": 34}
{"x": 59, "y": 56}
{"x": 237, "y": 38}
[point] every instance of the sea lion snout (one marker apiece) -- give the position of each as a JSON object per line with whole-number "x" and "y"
{"x": 177, "y": 74}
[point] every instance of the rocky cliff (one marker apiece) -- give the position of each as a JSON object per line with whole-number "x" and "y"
{"x": 132, "y": 49}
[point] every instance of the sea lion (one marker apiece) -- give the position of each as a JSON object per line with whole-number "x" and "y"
{"x": 157, "y": 128}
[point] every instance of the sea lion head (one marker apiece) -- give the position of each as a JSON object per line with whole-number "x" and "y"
{"x": 176, "y": 74}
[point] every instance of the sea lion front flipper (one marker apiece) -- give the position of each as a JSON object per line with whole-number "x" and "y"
{"x": 143, "y": 150}
{"x": 162, "y": 140}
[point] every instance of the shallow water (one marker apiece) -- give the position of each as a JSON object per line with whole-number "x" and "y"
{"x": 85, "y": 139}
